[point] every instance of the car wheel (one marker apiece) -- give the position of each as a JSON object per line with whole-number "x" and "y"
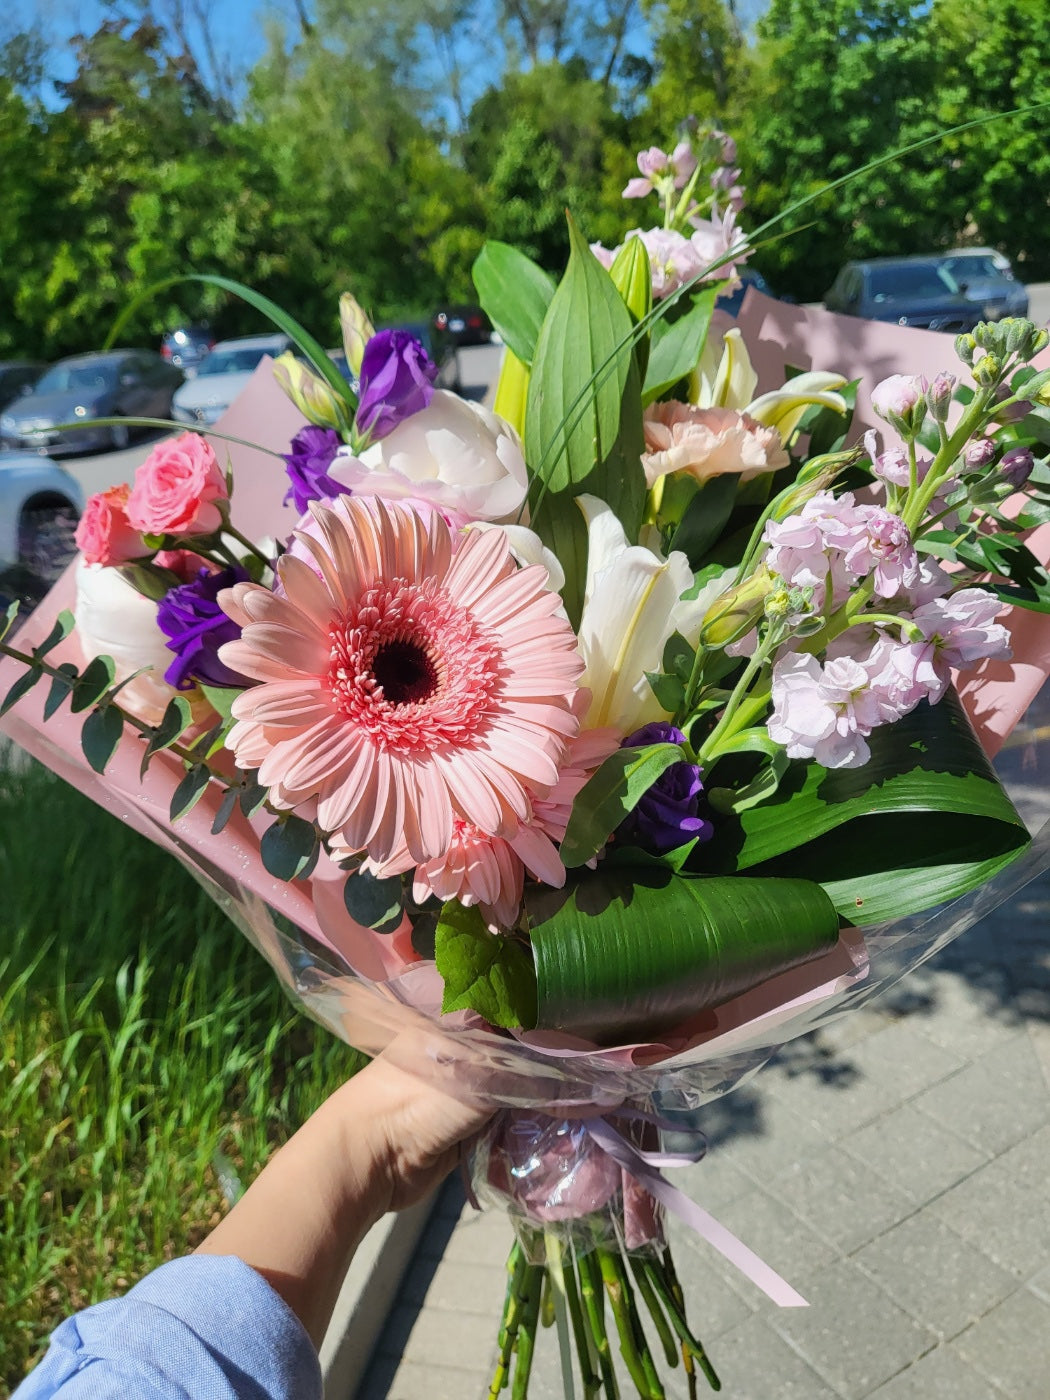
{"x": 46, "y": 541}
{"x": 120, "y": 436}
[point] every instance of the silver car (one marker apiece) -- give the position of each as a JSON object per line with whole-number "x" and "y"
{"x": 221, "y": 376}
{"x": 40, "y": 503}
{"x": 114, "y": 384}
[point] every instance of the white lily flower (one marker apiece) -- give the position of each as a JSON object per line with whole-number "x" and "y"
{"x": 728, "y": 380}
{"x": 632, "y": 604}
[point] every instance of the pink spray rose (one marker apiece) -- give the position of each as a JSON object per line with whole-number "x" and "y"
{"x": 104, "y": 534}
{"x": 177, "y": 488}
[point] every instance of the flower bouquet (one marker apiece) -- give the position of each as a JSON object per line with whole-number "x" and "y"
{"x": 585, "y": 750}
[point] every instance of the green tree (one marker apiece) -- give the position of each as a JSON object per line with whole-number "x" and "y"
{"x": 698, "y": 58}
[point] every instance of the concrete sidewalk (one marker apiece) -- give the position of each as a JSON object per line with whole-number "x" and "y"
{"x": 895, "y": 1168}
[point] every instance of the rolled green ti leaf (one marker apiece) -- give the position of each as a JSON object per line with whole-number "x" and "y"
{"x": 923, "y": 821}
{"x": 631, "y": 949}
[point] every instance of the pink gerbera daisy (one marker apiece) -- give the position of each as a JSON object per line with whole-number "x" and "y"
{"x": 406, "y": 682}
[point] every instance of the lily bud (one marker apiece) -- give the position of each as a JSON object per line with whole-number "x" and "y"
{"x": 819, "y": 474}
{"x": 736, "y": 611}
{"x": 633, "y": 278}
{"x": 357, "y": 330}
{"x": 313, "y": 396}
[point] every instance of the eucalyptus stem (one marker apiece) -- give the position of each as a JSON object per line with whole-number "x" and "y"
{"x": 594, "y": 1306}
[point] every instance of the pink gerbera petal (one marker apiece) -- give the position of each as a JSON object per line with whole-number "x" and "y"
{"x": 438, "y": 683}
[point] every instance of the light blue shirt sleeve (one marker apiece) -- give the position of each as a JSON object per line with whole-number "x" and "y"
{"x": 206, "y": 1327}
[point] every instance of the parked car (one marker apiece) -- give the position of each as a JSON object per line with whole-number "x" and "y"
{"x": 40, "y": 503}
{"x": 917, "y": 291}
{"x": 114, "y": 384}
{"x": 221, "y": 376}
{"x": 185, "y": 347}
{"x": 467, "y": 325}
{"x": 986, "y": 276}
{"x": 17, "y": 377}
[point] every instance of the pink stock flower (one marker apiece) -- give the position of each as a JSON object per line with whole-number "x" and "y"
{"x": 177, "y": 489}
{"x": 883, "y": 549}
{"x": 683, "y": 163}
{"x": 408, "y": 687}
{"x": 104, "y": 534}
{"x": 962, "y": 627}
{"x": 708, "y": 442}
{"x": 899, "y": 399}
{"x": 823, "y": 713}
{"x": 892, "y": 464}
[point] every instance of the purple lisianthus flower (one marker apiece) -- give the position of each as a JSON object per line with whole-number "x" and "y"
{"x": 196, "y": 627}
{"x": 668, "y": 815}
{"x": 397, "y": 379}
{"x": 312, "y": 452}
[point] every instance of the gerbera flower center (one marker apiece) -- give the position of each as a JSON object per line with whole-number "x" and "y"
{"x": 405, "y": 671}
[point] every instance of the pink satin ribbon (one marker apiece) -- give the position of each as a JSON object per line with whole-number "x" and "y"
{"x": 645, "y": 1167}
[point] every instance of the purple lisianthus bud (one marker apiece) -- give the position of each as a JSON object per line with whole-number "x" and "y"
{"x": 397, "y": 380}
{"x": 196, "y": 627}
{"x": 668, "y": 815}
{"x": 979, "y": 454}
{"x": 312, "y": 452}
{"x": 1015, "y": 466}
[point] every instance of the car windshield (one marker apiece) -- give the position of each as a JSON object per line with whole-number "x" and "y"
{"x": 240, "y": 361}
{"x": 974, "y": 265}
{"x": 65, "y": 379}
{"x": 911, "y": 280}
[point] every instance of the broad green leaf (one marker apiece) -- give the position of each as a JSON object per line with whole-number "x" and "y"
{"x": 515, "y": 293}
{"x": 102, "y": 732}
{"x": 375, "y": 903}
{"x": 288, "y": 847}
{"x": 630, "y": 950}
{"x": 610, "y": 795}
{"x": 483, "y": 972}
{"x": 705, "y": 518}
{"x": 176, "y": 719}
{"x": 669, "y": 690}
{"x": 221, "y": 699}
{"x": 677, "y": 346}
{"x": 25, "y": 683}
{"x": 583, "y": 428}
{"x": 923, "y": 820}
{"x": 1022, "y": 597}
{"x": 763, "y": 784}
{"x": 189, "y": 792}
{"x": 94, "y": 681}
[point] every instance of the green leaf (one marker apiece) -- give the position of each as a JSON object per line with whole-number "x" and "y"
{"x": 253, "y": 795}
{"x": 583, "y": 422}
{"x": 189, "y": 792}
{"x": 677, "y": 346}
{"x": 9, "y": 618}
{"x": 515, "y": 293}
{"x": 225, "y": 811}
{"x": 826, "y": 427}
{"x": 61, "y": 687}
{"x": 288, "y": 847}
{"x": 669, "y": 690}
{"x": 100, "y": 735}
{"x": 373, "y": 902}
{"x": 64, "y": 624}
{"x": 176, "y": 719}
{"x": 26, "y": 681}
{"x": 764, "y": 783}
{"x": 610, "y": 795}
{"x": 924, "y": 820}
{"x": 221, "y": 699}
{"x": 705, "y": 518}
{"x": 483, "y": 972}
{"x": 630, "y": 950}
{"x": 94, "y": 681}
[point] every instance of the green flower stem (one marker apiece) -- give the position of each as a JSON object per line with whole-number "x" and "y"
{"x": 633, "y": 1347}
{"x": 547, "y": 1302}
{"x": 729, "y": 725}
{"x": 517, "y": 1265}
{"x": 920, "y": 498}
{"x": 665, "y": 1281}
{"x": 594, "y": 1306}
{"x": 584, "y": 1345}
{"x": 651, "y": 1301}
{"x": 527, "y": 1320}
{"x": 228, "y": 529}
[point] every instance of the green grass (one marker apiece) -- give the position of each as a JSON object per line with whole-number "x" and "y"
{"x": 145, "y": 1047}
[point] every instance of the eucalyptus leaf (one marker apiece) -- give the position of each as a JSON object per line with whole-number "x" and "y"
{"x": 288, "y": 846}
{"x": 189, "y": 791}
{"x": 225, "y": 811}
{"x": 375, "y": 903}
{"x": 610, "y": 795}
{"x": 63, "y": 625}
{"x": 483, "y": 972}
{"x": 515, "y": 293}
{"x": 61, "y": 687}
{"x": 628, "y": 951}
{"x": 10, "y": 613}
{"x": 93, "y": 682}
{"x": 176, "y": 719}
{"x": 25, "y": 683}
{"x": 101, "y": 733}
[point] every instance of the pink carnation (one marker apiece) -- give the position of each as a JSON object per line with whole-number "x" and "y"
{"x": 708, "y": 442}
{"x": 177, "y": 489}
{"x": 104, "y": 534}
